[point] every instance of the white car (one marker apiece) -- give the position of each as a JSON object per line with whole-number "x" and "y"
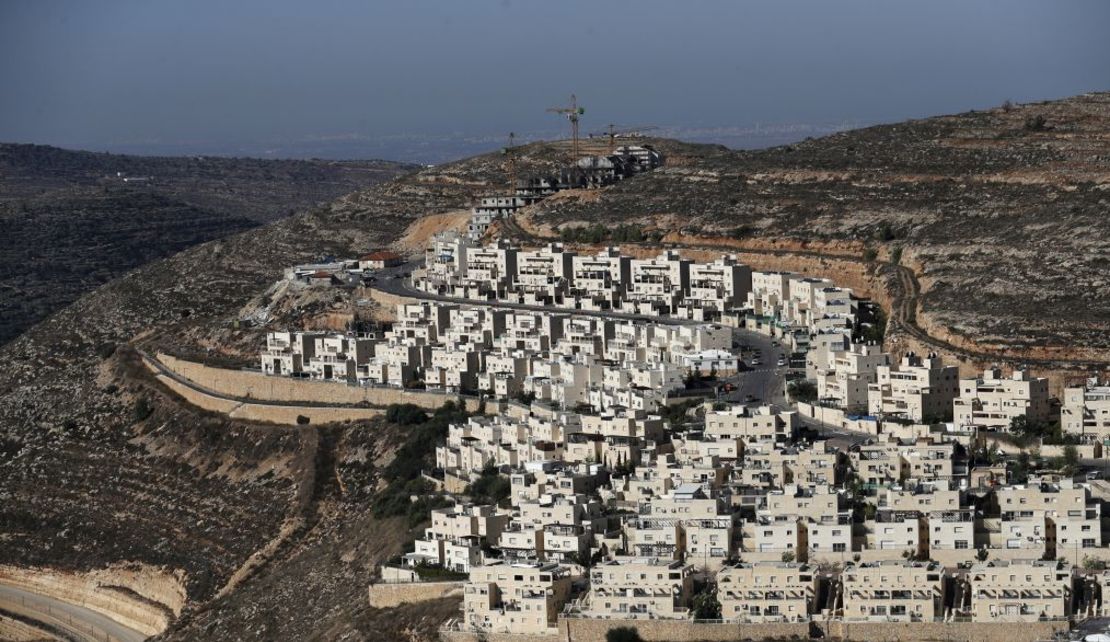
{"x": 755, "y": 362}
{"x": 782, "y": 362}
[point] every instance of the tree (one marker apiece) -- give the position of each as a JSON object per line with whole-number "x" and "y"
{"x": 982, "y": 554}
{"x": 1071, "y": 459}
{"x": 802, "y": 390}
{"x": 405, "y": 414}
{"x": 623, "y": 634}
{"x": 870, "y": 254}
{"x": 788, "y": 556}
{"x": 706, "y": 606}
{"x": 1036, "y": 123}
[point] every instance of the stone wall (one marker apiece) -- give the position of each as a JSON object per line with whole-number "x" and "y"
{"x": 387, "y": 595}
{"x": 139, "y": 597}
{"x": 269, "y": 413}
{"x": 945, "y": 631}
{"x": 253, "y": 385}
{"x": 594, "y": 630}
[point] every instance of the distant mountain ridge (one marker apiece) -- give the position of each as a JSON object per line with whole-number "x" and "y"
{"x": 74, "y": 220}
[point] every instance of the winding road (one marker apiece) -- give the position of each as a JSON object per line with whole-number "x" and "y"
{"x": 74, "y": 621}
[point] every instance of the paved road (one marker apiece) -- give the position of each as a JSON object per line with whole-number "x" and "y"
{"x": 81, "y": 623}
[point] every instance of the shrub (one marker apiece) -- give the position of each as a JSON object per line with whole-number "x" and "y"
{"x": 142, "y": 409}
{"x": 870, "y": 254}
{"x": 706, "y": 606}
{"x": 896, "y": 255}
{"x": 1036, "y": 123}
{"x": 802, "y": 390}
{"x": 405, "y": 414}
{"x": 623, "y": 634}
{"x": 303, "y": 420}
{"x": 742, "y": 232}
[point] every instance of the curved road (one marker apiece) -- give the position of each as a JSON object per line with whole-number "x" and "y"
{"x": 78, "y": 622}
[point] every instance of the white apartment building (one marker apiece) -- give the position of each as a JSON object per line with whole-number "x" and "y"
{"x": 893, "y": 591}
{"x": 766, "y": 591}
{"x": 844, "y": 383}
{"x": 598, "y": 282}
{"x": 630, "y": 587}
{"x": 543, "y": 276}
{"x": 657, "y": 285}
{"x": 763, "y": 423}
{"x": 490, "y": 271}
{"x": 916, "y": 389}
{"x": 1086, "y": 411}
{"x": 285, "y": 353}
{"x": 716, "y": 287}
{"x": 992, "y": 401}
{"x": 515, "y": 598}
{"x": 445, "y": 263}
{"x": 1019, "y": 590}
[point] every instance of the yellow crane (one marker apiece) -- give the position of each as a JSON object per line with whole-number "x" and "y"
{"x": 509, "y": 152}
{"x": 572, "y": 112}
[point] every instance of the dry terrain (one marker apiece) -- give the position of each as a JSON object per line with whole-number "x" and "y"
{"x": 73, "y": 220}
{"x": 1002, "y": 228}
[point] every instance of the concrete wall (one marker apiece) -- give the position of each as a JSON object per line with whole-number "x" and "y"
{"x": 945, "y": 631}
{"x": 592, "y": 630}
{"x": 268, "y": 413}
{"x": 255, "y": 385}
{"x": 828, "y": 416}
{"x": 384, "y": 596}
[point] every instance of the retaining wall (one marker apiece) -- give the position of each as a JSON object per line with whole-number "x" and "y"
{"x": 594, "y": 630}
{"x": 384, "y": 596}
{"x": 268, "y": 413}
{"x": 945, "y": 631}
{"x": 255, "y": 385}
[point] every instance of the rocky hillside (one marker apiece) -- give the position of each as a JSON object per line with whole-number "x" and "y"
{"x": 1000, "y": 220}
{"x": 75, "y": 220}
{"x": 1003, "y": 214}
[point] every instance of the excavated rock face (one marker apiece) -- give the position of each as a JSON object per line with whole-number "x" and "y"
{"x": 1005, "y": 224}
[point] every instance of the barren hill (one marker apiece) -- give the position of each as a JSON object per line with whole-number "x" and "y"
{"x": 1003, "y": 230}
{"x": 75, "y": 220}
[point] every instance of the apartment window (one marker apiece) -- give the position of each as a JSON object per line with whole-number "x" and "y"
{"x": 961, "y": 543}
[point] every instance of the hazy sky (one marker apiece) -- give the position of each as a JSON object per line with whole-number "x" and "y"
{"x": 97, "y": 74}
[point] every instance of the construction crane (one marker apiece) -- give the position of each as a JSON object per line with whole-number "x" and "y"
{"x": 612, "y": 132}
{"x": 509, "y": 152}
{"x": 572, "y": 113}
